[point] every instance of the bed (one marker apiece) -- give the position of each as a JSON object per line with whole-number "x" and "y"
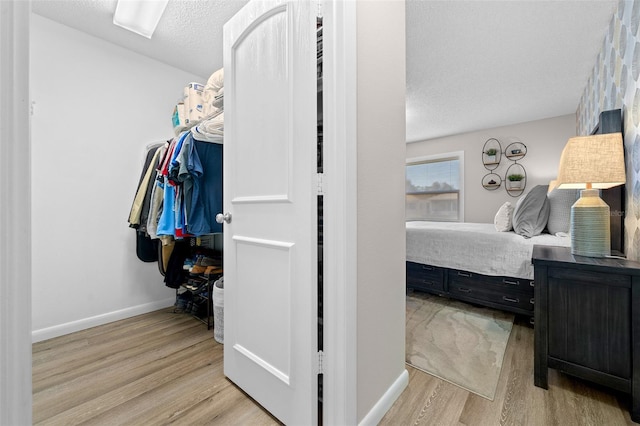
{"x": 458, "y": 245}
{"x": 476, "y": 263}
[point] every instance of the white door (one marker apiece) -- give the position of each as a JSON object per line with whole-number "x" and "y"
{"x": 270, "y": 252}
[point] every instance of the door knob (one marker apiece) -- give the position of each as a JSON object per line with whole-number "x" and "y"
{"x": 223, "y": 217}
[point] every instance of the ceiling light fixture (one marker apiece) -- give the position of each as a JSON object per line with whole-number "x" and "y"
{"x": 139, "y": 16}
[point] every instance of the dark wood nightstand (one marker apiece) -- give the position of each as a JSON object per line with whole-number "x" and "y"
{"x": 587, "y": 320}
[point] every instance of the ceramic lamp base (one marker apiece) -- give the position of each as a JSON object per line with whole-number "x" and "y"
{"x": 590, "y": 232}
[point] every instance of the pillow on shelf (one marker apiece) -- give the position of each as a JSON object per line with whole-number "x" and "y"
{"x": 532, "y": 212}
{"x": 560, "y": 202}
{"x": 503, "y": 220}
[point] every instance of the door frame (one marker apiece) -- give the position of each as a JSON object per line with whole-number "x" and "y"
{"x": 340, "y": 379}
{"x": 15, "y": 213}
{"x": 340, "y": 207}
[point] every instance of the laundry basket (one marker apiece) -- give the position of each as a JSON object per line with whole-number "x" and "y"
{"x": 218, "y": 310}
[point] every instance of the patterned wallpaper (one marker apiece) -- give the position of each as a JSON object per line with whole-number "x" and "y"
{"x": 615, "y": 83}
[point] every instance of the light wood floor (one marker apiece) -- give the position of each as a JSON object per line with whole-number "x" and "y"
{"x": 164, "y": 368}
{"x": 153, "y": 369}
{"x": 568, "y": 402}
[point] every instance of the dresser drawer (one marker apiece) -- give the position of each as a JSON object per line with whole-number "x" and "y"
{"x": 499, "y": 284}
{"x": 494, "y": 296}
{"x": 589, "y": 277}
{"x": 425, "y": 277}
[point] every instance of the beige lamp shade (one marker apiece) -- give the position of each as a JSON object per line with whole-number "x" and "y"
{"x": 595, "y": 161}
{"x": 591, "y": 163}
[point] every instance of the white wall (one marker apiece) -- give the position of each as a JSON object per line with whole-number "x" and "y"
{"x": 15, "y": 214}
{"x": 544, "y": 139}
{"x": 96, "y": 108}
{"x": 380, "y": 206}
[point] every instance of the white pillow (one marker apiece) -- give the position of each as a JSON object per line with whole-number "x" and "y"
{"x": 503, "y": 220}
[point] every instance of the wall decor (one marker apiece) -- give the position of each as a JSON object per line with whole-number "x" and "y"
{"x": 491, "y": 157}
{"x": 516, "y": 175}
{"x": 491, "y": 154}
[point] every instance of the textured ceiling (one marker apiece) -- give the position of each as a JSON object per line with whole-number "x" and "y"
{"x": 480, "y": 64}
{"x": 470, "y": 64}
{"x": 189, "y": 34}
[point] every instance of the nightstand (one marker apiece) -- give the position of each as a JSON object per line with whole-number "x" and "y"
{"x": 587, "y": 320}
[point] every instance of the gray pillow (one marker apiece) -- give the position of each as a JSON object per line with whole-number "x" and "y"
{"x": 560, "y": 202}
{"x": 532, "y": 212}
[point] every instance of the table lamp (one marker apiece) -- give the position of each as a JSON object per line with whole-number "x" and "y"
{"x": 591, "y": 163}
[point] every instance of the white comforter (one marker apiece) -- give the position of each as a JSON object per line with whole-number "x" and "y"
{"x": 475, "y": 247}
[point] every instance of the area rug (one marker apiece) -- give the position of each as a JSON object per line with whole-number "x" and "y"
{"x": 461, "y": 343}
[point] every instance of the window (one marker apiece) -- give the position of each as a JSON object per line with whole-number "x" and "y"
{"x": 434, "y": 188}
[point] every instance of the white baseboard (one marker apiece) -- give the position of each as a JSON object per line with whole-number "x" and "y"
{"x": 83, "y": 324}
{"x": 383, "y": 405}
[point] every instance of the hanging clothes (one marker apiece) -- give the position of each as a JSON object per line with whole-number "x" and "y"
{"x": 192, "y": 186}
{"x": 148, "y": 174}
{"x": 147, "y": 202}
{"x": 175, "y": 274}
{"x": 180, "y": 188}
{"x": 166, "y": 222}
{"x": 146, "y": 248}
{"x": 207, "y": 188}
{"x": 155, "y": 208}
{"x": 186, "y": 157}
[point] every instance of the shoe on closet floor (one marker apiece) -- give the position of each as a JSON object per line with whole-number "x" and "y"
{"x": 209, "y": 261}
{"x": 196, "y": 308}
{"x": 201, "y": 287}
{"x": 197, "y": 270}
{"x": 212, "y": 271}
{"x": 195, "y": 283}
{"x": 182, "y": 302}
{"x": 188, "y": 264}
